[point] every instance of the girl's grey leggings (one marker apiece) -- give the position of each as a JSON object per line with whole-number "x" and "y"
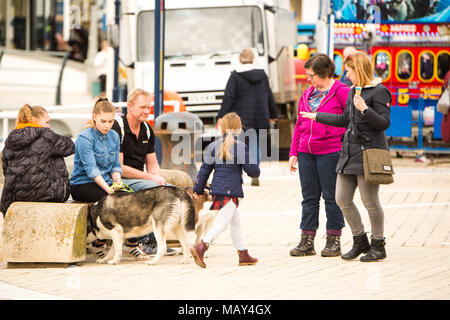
{"x": 345, "y": 190}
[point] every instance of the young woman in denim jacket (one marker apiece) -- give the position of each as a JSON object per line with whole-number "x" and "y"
{"x": 96, "y": 162}
{"x": 97, "y": 166}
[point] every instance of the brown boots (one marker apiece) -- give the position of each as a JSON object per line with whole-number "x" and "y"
{"x": 245, "y": 259}
{"x": 198, "y": 253}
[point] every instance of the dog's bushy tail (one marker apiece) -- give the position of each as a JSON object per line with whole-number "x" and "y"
{"x": 189, "y": 214}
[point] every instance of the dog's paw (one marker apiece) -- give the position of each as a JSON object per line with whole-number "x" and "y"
{"x": 113, "y": 262}
{"x": 100, "y": 261}
{"x": 151, "y": 262}
{"x": 184, "y": 260}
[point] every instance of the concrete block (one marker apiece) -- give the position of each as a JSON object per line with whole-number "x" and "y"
{"x": 45, "y": 232}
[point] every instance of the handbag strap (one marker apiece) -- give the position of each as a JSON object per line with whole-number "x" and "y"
{"x": 355, "y": 130}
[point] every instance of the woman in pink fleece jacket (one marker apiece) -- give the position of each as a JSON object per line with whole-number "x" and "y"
{"x": 315, "y": 147}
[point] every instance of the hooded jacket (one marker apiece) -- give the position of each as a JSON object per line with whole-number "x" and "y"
{"x": 314, "y": 137}
{"x": 33, "y": 166}
{"x": 370, "y": 126}
{"x": 249, "y": 95}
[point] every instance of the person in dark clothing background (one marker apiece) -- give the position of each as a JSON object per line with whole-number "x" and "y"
{"x": 33, "y": 160}
{"x": 248, "y": 94}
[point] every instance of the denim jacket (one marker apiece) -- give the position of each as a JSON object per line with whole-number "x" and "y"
{"x": 95, "y": 154}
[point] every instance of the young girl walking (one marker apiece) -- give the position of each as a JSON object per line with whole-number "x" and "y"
{"x": 227, "y": 157}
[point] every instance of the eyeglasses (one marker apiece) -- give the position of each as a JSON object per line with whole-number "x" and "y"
{"x": 310, "y": 76}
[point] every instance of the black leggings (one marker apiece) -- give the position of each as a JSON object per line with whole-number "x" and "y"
{"x": 90, "y": 192}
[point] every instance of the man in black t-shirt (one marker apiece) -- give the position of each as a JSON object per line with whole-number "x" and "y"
{"x": 137, "y": 154}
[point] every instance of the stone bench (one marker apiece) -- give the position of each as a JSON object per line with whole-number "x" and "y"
{"x": 44, "y": 233}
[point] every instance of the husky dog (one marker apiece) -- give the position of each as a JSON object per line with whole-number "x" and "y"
{"x": 130, "y": 215}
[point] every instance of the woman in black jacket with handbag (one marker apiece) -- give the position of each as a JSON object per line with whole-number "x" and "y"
{"x": 33, "y": 160}
{"x": 366, "y": 117}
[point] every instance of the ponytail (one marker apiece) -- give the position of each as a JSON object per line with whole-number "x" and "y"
{"x": 231, "y": 125}
{"x": 27, "y": 113}
{"x": 102, "y": 105}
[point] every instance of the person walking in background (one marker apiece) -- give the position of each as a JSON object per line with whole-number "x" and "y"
{"x": 369, "y": 109}
{"x": 33, "y": 160}
{"x": 315, "y": 147}
{"x": 103, "y": 64}
{"x": 227, "y": 157}
{"x": 248, "y": 94}
{"x": 97, "y": 167}
{"x": 345, "y": 53}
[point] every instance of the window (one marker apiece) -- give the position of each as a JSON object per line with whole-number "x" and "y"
{"x": 382, "y": 65}
{"x": 404, "y": 65}
{"x": 426, "y": 65}
{"x": 443, "y": 61}
{"x": 210, "y": 31}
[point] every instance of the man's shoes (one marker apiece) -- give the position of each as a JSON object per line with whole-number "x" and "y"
{"x": 135, "y": 252}
{"x": 152, "y": 248}
{"x": 99, "y": 251}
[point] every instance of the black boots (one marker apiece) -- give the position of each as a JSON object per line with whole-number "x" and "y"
{"x": 377, "y": 251}
{"x": 305, "y": 247}
{"x": 360, "y": 245}
{"x": 333, "y": 246}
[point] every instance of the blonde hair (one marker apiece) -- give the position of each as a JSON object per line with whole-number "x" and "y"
{"x": 363, "y": 67}
{"x": 135, "y": 93}
{"x": 246, "y": 56}
{"x": 231, "y": 125}
{"x": 27, "y": 113}
{"x": 102, "y": 105}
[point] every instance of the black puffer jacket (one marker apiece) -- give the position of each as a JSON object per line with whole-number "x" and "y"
{"x": 249, "y": 95}
{"x": 34, "y": 167}
{"x": 370, "y": 127}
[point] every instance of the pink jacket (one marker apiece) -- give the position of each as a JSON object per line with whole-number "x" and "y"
{"x": 317, "y": 138}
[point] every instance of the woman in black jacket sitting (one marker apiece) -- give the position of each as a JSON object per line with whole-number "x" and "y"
{"x": 369, "y": 109}
{"x": 33, "y": 160}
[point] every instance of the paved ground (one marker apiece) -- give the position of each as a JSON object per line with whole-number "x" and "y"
{"x": 417, "y": 230}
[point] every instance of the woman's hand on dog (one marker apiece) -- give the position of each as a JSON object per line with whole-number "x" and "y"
{"x": 196, "y": 196}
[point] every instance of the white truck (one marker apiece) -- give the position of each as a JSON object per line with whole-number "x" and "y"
{"x": 203, "y": 39}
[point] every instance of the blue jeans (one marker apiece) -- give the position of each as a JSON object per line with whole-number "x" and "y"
{"x": 140, "y": 184}
{"x": 318, "y": 178}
